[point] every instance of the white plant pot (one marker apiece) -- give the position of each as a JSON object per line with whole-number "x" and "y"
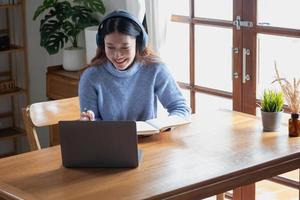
{"x": 90, "y": 42}
{"x": 73, "y": 58}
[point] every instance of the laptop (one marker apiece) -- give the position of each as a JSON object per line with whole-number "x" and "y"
{"x": 99, "y": 144}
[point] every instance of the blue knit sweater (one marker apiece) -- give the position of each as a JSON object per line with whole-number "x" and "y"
{"x": 131, "y": 94}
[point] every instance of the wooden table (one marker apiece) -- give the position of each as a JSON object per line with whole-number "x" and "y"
{"x": 213, "y": 154}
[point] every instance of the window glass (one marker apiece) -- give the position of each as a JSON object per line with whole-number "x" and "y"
{"x": 176, "y": 51}
{"x": 207, "y": 103}
{"x": 283, "y": 50}
{"x": 279, "y": 13}
{"x": 213, "y": 57}
{"x": 179, "y": 7}
{"x": 215, "y": 9}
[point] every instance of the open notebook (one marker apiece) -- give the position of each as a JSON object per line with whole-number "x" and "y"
{"x": 158, "y": 125}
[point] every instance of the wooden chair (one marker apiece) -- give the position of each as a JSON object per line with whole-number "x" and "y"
{"x": 48, "y": 113}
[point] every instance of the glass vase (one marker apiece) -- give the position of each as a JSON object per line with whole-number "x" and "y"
{"x": 294, "y": 125}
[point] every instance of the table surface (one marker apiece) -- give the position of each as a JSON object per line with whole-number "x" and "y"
{"x": 215, "y": 153}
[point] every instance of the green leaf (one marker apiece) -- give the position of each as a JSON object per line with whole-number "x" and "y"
{"x": 47, "y": 18}
{"x": 82, "y": 17}
{"x": 46, "y": 4}
{"x": 94, "y": 5}
{"x": 272, "y": 101}
{"x": 68, "y": 27}
{"x": 52, "y": 38}
{"x": 55, "y": 42}
{"x": 63, "y": 10}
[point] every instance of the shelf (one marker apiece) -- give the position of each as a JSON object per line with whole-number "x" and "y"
{"x": 9, "y": 133}
{"x": 15, "y": 75}
{"x": 7, "y": 73}
{"x": 5, "y": 115}
{"x": 2, "y": 31}
{"x": 12, "y": 48}
{"x": 12, "y": 93}
{"x": 9, "y": 5}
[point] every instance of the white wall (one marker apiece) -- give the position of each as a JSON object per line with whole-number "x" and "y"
{"x": 38, "y": 58}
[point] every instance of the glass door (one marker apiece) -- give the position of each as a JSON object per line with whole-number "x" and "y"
{"x": 266, "y": 37}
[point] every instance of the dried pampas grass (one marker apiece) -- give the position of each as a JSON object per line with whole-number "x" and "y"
{"x": 291, "y": 91}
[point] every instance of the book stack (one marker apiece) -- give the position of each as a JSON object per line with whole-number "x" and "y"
{"x": 8, "y": 2}
{"x": 7, "y": 86}
{"x": 4, "y": 41}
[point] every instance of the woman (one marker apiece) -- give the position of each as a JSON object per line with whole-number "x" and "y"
{"x": 125, "y": 79}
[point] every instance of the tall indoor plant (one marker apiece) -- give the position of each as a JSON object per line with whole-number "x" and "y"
{"x": 62, "y": 22}
{"x": 271, "y": 109}
{"x": 291, "y": 93}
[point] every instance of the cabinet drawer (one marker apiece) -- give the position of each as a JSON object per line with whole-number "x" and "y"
{"x": 59, "y": 87}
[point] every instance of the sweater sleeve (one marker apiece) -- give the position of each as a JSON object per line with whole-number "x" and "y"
{"x": 169, "y": 94}
{"x": 88, "y": 95}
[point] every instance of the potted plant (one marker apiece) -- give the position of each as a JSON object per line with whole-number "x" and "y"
{"x": 271, "y": 109}
{"x": 62, "y": 22}
{"x": 291, "y": 93}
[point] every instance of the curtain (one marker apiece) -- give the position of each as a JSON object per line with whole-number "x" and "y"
{"x": 157, "y": 16}
{"x": 136, "y": 7}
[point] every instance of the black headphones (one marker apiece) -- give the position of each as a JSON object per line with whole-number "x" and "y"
{"x": 124, "y": 14}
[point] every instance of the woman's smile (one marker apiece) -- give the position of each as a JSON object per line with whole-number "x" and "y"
{"x": 120, "y": 49}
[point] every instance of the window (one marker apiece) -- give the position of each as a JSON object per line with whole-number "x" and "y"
{"x": 227, "y": 48}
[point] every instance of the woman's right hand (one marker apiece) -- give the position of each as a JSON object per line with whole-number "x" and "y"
{"x": 87, "y": 116}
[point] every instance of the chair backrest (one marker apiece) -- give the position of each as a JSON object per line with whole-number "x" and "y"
{"x": 48, "y": 113}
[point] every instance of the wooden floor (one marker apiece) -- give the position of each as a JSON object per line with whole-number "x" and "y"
{"x": 266, "y": 190}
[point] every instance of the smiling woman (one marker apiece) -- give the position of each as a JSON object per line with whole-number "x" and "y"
{"x": 120, "y": 49}
{"x": 125, "y": 79}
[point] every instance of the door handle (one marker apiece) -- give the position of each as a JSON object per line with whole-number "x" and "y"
{"x": 235, "y": 75}
{"x": 246, "y": 77}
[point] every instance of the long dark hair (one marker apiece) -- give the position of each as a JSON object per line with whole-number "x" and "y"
{"x": 124, "y": 26}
